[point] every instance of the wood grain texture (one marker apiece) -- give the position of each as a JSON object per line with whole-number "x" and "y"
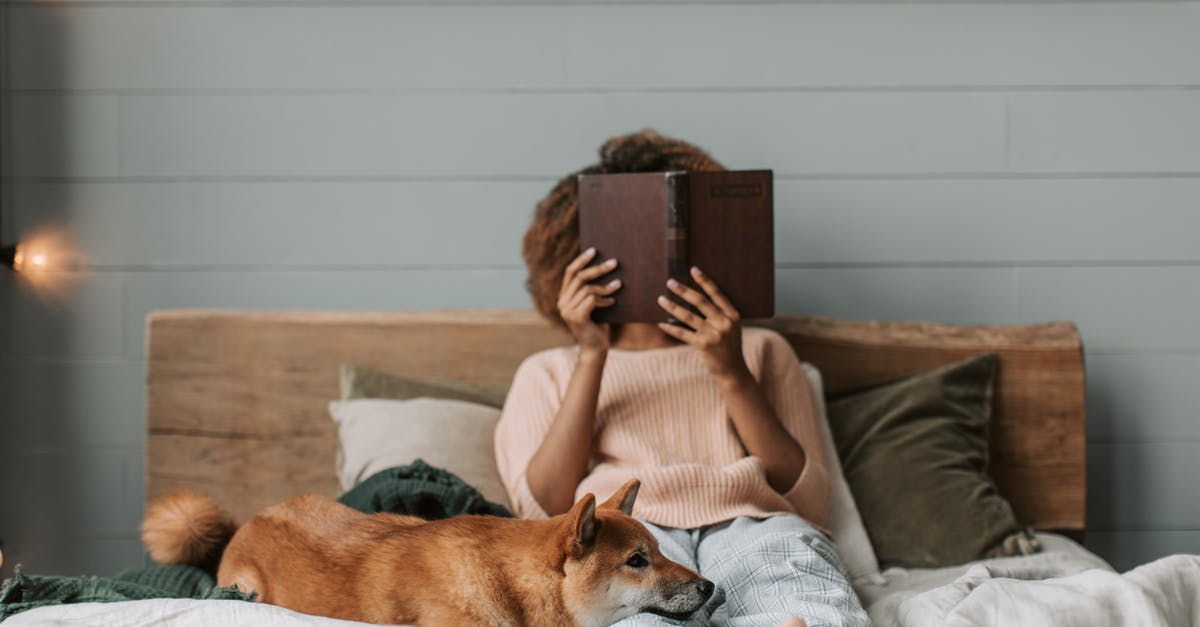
{"x": 237, "y": 401}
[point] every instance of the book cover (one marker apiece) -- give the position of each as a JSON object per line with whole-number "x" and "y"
{"x": 659, "y": 224}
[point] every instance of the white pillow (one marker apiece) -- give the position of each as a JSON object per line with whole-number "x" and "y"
{"x": 376, "y": 434}
{"x": 845, "y": 523}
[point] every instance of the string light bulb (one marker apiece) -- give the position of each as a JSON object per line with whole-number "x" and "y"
{"x": 12, "y": 256}
{"x": 20, "y": 260}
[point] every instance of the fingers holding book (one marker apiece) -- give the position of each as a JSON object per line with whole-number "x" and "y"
{"x": 718, "y": 313}
{"x": 578, "y": 274}
{"x": 578, "y": 298}
{"x": 715, "y": 330}
{"x": 717, "y": 296}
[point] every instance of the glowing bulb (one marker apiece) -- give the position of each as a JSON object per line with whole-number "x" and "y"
{"x": 24, "y": 260}
{"x": 46, "y": 261}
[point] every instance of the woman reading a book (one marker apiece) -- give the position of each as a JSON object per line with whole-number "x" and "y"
{"x": 716, "y": 419}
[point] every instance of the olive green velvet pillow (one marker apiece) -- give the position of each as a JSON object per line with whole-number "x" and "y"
{"x": 915, "y": 452}
{"x": 361, "y": 382}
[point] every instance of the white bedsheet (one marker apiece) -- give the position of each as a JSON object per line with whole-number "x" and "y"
{"x": 1064, "y": 585}
{"x": 171, "y": 613}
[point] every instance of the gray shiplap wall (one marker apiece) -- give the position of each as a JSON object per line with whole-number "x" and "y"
{"x": 962, "y": 162}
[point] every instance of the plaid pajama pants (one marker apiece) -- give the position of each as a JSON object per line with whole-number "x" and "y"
{"x": 766, "y": 571}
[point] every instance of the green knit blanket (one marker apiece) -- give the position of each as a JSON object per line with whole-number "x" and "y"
{"x": 24, "y": 592}
{"x": 417, "y": 489}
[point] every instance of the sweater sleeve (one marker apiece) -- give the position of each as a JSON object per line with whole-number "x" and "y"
{"x": 529, "y": 410}
{"x": 787, "y": 389}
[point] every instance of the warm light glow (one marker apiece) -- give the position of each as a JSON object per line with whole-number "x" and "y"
{"x": 26, "y": 260}
{"x": 48, "y": 261}
{"x": 47, "y": 250}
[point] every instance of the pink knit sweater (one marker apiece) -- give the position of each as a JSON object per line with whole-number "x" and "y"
{"x": 661, "y": 418}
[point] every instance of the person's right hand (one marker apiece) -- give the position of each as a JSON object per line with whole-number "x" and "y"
{"x": 577, "y": 298}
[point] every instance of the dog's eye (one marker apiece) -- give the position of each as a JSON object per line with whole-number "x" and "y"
{"x": 637, "y": 561}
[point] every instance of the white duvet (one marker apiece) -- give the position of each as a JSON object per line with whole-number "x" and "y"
{"x": 1162, "y": 593}
{"x": 1063, "y": 586}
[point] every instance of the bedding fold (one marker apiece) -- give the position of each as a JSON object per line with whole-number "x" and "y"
{"x": 1165, "y": 592}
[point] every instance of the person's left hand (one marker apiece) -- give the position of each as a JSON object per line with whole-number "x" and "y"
{"x": 716, "y": 332}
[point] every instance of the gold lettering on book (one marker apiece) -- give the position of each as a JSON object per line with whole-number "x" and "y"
{"x": 736, "y": 190}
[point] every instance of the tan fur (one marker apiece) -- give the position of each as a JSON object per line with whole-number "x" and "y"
{"x": 186, "y": 527}
{"x": 317, "y": 556}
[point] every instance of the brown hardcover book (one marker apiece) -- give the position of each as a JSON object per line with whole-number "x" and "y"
{"x": 659, "y": 224}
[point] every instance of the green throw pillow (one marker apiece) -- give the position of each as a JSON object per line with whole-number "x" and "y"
{"x": 361, "y": 382}
{"x": 915, "y": 452}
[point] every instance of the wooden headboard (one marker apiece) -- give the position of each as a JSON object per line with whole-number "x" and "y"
{"x": 237, "y": 401}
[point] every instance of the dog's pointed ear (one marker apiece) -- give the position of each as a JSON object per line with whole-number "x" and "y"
{"x": 581, "y": 526}
{"x": 623, "y": 498}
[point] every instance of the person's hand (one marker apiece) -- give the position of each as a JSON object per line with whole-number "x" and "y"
{"x": 716, "y": 331}
{"x": 577, "y": 298}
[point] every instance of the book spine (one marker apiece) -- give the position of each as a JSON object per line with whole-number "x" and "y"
{"x": 678, "y": 203}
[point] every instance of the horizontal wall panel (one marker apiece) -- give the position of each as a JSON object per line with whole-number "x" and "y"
{"x": 1105, "y": 132}
{"x": 1129, "y": 549}
{"x": 57, "y": 136}
{"x": 357, "y": 290}
{"x": 947, "y": 295}
{"x": 840, "y": 44}
{"x": 287, "y": 224}
{"x": 63, "y": 314}
{"x": 58, "y": 46}
{"x": 1151, "y": 396}
{"x": 423, "y": 135}
{"x": 1133, "y": 486}
{"x": 1117, "y": 309}
{"x": 79, "y": 493}
{"x": 986, "y": 220}
{"x": 306, "y": 224}
{"x": 62, "y": 404}
{"x": 416, "y": 45}
{"x": 374, "y": 134}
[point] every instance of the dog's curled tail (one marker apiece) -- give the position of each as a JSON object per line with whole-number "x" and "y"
{"x": 186, "y": 527}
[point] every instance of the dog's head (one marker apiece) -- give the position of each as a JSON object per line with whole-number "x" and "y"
{"x": 614, "y": 569}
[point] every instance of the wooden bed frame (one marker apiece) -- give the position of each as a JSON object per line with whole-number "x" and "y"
{"x": 237, "y": 401}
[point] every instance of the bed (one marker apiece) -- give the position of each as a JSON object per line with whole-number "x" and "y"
{"x": 237, "y": 405}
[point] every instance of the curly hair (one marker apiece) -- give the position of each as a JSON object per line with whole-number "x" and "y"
{"x": 552, "y": 239}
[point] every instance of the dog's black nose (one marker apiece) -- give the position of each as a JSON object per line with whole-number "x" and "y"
{"x": 706, "y": 588}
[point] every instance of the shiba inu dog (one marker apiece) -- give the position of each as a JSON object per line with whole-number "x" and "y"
{"x": 593, "y": 565}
